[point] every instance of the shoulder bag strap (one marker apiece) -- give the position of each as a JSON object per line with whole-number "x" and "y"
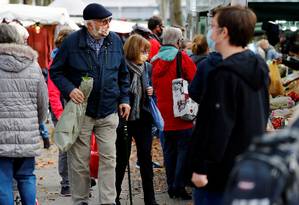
{"x": 179, "y": 64}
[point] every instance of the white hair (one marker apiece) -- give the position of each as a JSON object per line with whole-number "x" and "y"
{"x": 9, "y": 34}
{"x": 88, "y": 21}
{"x": 172, "y": 35}
{"x": 22, "y": 31}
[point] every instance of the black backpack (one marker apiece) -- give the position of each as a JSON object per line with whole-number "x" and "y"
{"x": 267, "y": 174}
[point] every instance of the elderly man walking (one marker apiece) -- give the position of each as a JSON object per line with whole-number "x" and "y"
{"x": 94, "y": 51}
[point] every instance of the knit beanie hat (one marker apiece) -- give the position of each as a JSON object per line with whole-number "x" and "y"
{"x": 95, "y": 11}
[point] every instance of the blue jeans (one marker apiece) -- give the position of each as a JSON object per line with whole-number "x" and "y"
{"x": 44, "y": 132}
{"x": 21, "y": 169}
{"x": 162, "y": 140}
{"x": 203, "y": 197}
{"x": 176, "y": 144}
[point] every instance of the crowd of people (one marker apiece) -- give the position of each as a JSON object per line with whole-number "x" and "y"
{"x": 227, "y": 79}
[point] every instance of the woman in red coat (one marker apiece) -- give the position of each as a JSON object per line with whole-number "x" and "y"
{"x": 56, "y": 104}
{"x": 177, "y": 132}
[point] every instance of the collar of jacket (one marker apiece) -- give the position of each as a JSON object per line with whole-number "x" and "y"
{"x": 83, "y": 36}
{"x": 167, "y": 52}
{"x": 17, "y": 57}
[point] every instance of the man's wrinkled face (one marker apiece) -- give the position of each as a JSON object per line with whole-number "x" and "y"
{"x": 99, "y": 28}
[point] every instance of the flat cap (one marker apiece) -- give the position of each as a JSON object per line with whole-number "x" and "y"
{"x": 95, "y": 11}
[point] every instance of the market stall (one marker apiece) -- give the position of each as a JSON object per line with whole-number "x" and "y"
{"x": 284, "y": 94}
{"x": 41, "y": 23}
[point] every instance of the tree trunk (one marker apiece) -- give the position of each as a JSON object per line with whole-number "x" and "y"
{"x": 164, "y": 5}
{"x": 28, "y": 2}
{"x": 39, "y": 2}
{"x": 193, "y": 24}
{"x": 14, "y": 1}
{"x": 47, "y": 2}
{"x": 175, "y": 13}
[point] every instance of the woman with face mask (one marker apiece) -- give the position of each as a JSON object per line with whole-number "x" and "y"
{"x": 136, "y": 50}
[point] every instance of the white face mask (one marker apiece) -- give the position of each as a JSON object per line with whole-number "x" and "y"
{"x": 99, "y": 32}
{"x": 103, "y": 31}
{"x": 210, "y": 41}
{"x": 143, "y": 57}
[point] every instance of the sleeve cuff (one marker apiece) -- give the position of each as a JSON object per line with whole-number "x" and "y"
{"x": 200, "y": 167}
{"x": 125, "y": 100}
{"x": 67, "y": 90}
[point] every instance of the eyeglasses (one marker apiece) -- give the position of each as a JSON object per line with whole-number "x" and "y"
{"x": 145, "y": 52}
{"x": 213, "y": 26}
{"x": 103, "y": 22}
{"x": 216, "y": 27}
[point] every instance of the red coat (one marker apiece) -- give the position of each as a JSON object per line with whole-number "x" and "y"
{"x": 155, "y": 46}
{"x": 162, "y": 75}
{"x": 42, "y": 42}
{"x": 54, "y": 97}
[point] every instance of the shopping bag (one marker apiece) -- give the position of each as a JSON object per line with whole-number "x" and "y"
{"x": 156, "y": 114}
{"x": 276, "y": 88}
{"x": 183, "y": 106}
{"x": 94, "y": 157}
{"x": 69, "y": 125}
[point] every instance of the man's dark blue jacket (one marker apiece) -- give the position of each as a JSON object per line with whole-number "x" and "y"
{"x": 76, "y": 59}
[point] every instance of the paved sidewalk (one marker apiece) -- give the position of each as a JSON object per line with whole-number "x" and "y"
{"x": 48, "y": 184}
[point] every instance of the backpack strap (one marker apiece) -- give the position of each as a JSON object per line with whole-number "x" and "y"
{"x": 179, "y": 64}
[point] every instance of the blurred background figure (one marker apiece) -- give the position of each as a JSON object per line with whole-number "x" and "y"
{"x": 148, "y": 35}
{"x": 270, "y": 52}
{"x": 57, "y": 104}
{"x": 186, "y": 46}
{"x": 199, "y": 49}
{"x": 155, "y": 24}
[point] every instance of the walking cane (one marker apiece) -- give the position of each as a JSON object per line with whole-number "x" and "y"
{"x": 128, "y": 163}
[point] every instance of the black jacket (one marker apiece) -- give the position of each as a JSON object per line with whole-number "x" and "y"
{"x": 234, "y": 109}
{"x": 197, "y": 58}
{"x": 198, "y": 85}
{"x": 76, "y": 59}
